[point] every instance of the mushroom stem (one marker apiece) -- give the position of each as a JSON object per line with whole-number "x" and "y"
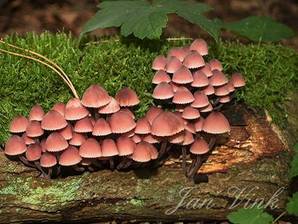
{"x": 78, "y": 169}
{"x": 124, "y": 164}
{"x": 46, "y": 64}
{"x": 37, "y": 165}
{"x": 194, "y": 167}
{"x": 163, "y": 149}
{"x": 184, "y": 159}
{"x": 112, "y": 164}
{"x": 26, "y": 162}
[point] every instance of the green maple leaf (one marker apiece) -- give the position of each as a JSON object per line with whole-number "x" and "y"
{"x": 292, "y": 205}
{"x": 146, "y": 20}
{"x": 294, "y": 163}
{"x": 250, "y": 216}
{"x": 260, "y": 28}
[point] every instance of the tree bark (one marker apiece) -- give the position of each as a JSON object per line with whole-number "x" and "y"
{"x": 247, "y": 170}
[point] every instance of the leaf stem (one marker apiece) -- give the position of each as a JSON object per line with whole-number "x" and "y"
{"x": 43, "y": 57}
{"x": 46, "y": 64}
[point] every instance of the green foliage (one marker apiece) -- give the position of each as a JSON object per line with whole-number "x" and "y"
{"x": 294, "y": 163}
{"x": 292, "y": 205}
{"x": 145, "y": 19}
{"x": 250, "y": 216}
{"x": 259, "y": 28}
{"x": 268, "y": 69}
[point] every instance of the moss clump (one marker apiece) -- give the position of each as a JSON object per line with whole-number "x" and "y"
{"x": 26, "y": 191}
{"x": 270, "y": 70}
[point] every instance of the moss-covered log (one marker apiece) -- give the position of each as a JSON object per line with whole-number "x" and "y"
{"x": 254, "y": 162}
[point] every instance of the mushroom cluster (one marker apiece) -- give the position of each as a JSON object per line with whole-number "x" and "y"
{"x": 195, "y": 90}
{"x": 100, "y": 131}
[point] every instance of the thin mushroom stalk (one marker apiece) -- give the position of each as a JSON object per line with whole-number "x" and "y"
{"x": 195, "y": 166}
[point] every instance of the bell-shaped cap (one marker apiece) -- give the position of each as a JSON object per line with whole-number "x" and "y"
{"x": 159, "y": 63}
{"x": 18, "y": 125}
{"x": 127, "y": 97}
{"x": 15, "y": 146}
{"x": 90, "y": 149}
{"x": 218, "y": 78}
{"x": 66, "y": 132}
{"x": 101, "y": 128}
{"x": 173, "y": 65}
{"x": 163, "y": 91}
{"x": 215, "y": 65}
{"x": 55, "y": 142}
{"x": 167, "y": 124}
{"x": 208, "y": 90}
{"x": 190, "y": 113}
{"x": 200, "y": 46}
{"x": 237, "y": 80}
{"x": 199, "y": 147}
{"x": 125, "y": 146}
{"x": 36, "y": 113}
{"x": 33, "y": 152}
{"x": 34, "y": 129}
{"x": 182, "y": 76}
{"x": 112, "y": 107}
{"x": 121, "y": 122}
{"x": 179, "y": 52}
{"x": 161, "y": 76}
{"x": 84, "y": 125}
{"x": 48, "y": 160}
{"x": 216, "y": 123}
{"x": 70, "y": 157}
{"x": 199, "y": 80}
{"x": 143, "y": 126}
{"x": 152, "y": 113}
{"x": 183, "y": 96}
{"x": 193, "y": 60}
{"x": 77, "y": 139}
{"x": 60, "y": 108}
{"x": 52, "y": 121}
{"x": 109, "y": 148}
{"x": 201, "y": 100}
{"x": 95, "y": 96}
{"x": 142, "y": 152}
{"x": 74, "y": 110}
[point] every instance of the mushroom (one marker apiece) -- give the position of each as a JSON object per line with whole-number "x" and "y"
{"x": 218, "y": 78}
{"x": 33, "y": 155}
{"x": 237, "y": 80}
{"x": 77, "y": 139}
{"x": 84, "y": 125}
{"x": 161, "y": 76}
{"x": 126, "y": 148}
{"x": 53, "y": 121}
{"x": 144, "y": 152}
{"x": 182, "y": 76}
{"x": 193, "y": 60}
{"x": 16, "y": 147}
{"x": 112, "y": 107}
{"x": 200, "y": 46}
{"x": 199, "y": 80}
{"x": 178, "y": 52}
{"x": 48, "y": 161}
{"x": 101, "y": 128}
{"x": 190, "y": 113}
{"x": 183, "y": 96}
{"x": 201, "y": 100}
{"x": 66, "y": 132}
{"x": 126, "y": 97}
{"x": 91, "y": 150}
{"x": 152, "y": 113}
{"x": 187, "y": 140}
{"x": 55, "y": 143}
{"x": 215, "y": 65}
{"x": 34, "y": 129}
{"x": 71, "y": 157}
{"x": 166, "y": 124}
{"x": 60, "y": 108}
{"x": 36, "y": 113}
{"x": 109, "y": 151}
{"x": 173, "y": 65}
{"x": 18, "y": 125}
{"x": 159, "y": 63}
{"x": 74, "y": 110}
{"x": 121, "y": 122}
{"x": 163, "y": 91}
{"x": 198, "y": 148}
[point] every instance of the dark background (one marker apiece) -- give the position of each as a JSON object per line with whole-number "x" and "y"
{"x": 22, "y": 16}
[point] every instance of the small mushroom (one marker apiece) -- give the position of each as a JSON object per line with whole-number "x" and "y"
{"x": 159, "y": 63}
{"x": 18, "y": 125}
{"x": 182, "y": 76}
{"x": 53, "y": 121}
{"x": 200, "y": 46}
{"x": 74, "y": 110}
{"x": 36, "y": 113}
{"x": 127, "y": 97}
{"x": 193, "y": 60}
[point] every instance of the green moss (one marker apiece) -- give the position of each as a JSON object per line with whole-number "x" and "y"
{"x": 270, "y": 70}
{"x": 137, "y": 202}
{"x": 24, "y": 190}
